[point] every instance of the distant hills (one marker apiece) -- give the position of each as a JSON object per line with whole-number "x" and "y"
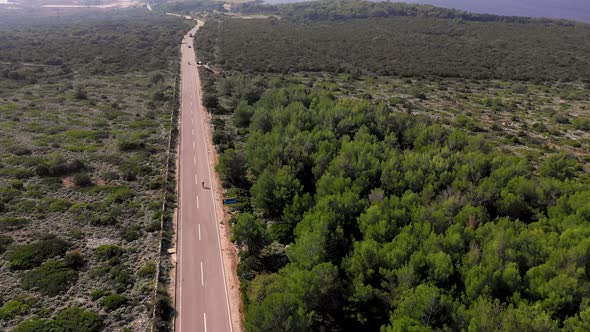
{"x": 578, "y": 10}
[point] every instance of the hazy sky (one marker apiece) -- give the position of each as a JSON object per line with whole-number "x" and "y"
{"x": 570, "y": 9}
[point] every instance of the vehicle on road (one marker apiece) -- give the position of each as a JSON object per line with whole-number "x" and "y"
{"x": 199, "y": 62}
{"x": 189, "y": 46}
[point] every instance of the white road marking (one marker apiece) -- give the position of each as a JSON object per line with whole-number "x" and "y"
{"x": 199, "y": 232}
{"x": 197, "y": 201}
{"x": 205, "y": 321}
{"x": 179, "y": 253}
{"x": 231, "y": 328}
{"x": 196, "y": 179}
{"x": 195, "y": 160}
{"x": 202, "y": 277}
{"x": 193, "y": 143}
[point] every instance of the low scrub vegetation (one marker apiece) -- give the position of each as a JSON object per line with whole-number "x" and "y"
{"x": 72, "y": 319}
{"x": 83, "y": 147}
{"x": 113, "y": 301}
{"x": 32, "y": 255}
{"x": 51, "y": 278}
{"x": 405, "y": 40}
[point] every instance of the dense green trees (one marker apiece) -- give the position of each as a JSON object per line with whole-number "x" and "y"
{"x": 393, "y": 222}
{"x": 423, "y": 45}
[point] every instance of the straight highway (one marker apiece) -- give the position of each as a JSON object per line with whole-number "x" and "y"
{"x": 202, "y": 302}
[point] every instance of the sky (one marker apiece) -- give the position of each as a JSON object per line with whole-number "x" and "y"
{"x": 570, "y": 9}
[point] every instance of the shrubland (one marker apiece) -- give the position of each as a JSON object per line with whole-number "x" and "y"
{"x": 401, "y": 45}
{"x": 85, "y": 115}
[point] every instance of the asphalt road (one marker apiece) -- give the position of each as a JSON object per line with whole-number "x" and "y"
{"x": 201, "y": 293}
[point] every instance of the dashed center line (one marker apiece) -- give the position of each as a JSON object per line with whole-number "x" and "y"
{"x": 197, "y": 201}
{"x": 196, "y": 179}
{"x": 199, "y": 232}
{"x": 205, "y": 321}
{"x": 202, "y": 277}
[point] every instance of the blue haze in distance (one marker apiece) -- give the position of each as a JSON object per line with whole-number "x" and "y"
{"x": 578, "y": 10}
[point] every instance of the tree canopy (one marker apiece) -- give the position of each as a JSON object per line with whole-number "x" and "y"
{"x": 393, "y": 222}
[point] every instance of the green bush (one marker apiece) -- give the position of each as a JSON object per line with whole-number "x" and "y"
{"x": 51, "y": 278}
{"x": 8, "y": 194}
{"x": 25, "y": 206}
{"x": 19, "y": 150}
{"x": 69, "y": 320}
{"x": 131, "y": 233}
{"x": 154, "y": 226}
{"x": 74, "y": 259}
{"x": 108, "y": 251}
{"x": 16, "y": 172}
{"x": 32, "y": 255}
{"x": 130, "y": 144}
{"x": 34, "y": 325}
{"x": 80, "y": 93}
{"x": 97, "y": 294}
{"x": 5, "y": 241}
{"x": 82, "y": 180}
{"x": 163, "y": 310}
{"x": 582, "y": 123}
{"x": 110, "y": 176}
{"x": 12, "y": 223}
{"x": 79, "y": 320}
{"x": 59, "y": 205}
{"x": 17, "y": 184}
{"x": 57, "y": 165}
{"x": 113, "y": 301}
{"x": 121, "y": 278}
{"x": 148, "y": 270}
{"x": 12, "y": 309}
{"x": 120, "y": 195}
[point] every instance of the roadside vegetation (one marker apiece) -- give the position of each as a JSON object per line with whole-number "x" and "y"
{"x": 85, "y": 117}
{"x": 395, "y": 201}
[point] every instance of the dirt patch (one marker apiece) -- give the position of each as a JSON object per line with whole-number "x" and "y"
{"x": 68, "y": 182}
{"x": 94, "y": 243}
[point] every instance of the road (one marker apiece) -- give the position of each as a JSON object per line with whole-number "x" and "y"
{"x": 202, "y": 302}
